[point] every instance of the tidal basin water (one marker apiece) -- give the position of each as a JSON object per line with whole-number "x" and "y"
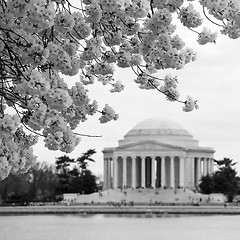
{"x": 116, "y": 227}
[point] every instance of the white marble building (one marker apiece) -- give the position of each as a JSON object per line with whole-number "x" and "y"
{"x": 156, "y": 153}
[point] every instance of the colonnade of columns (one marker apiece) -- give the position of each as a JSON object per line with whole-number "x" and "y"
{"x": 155, "y": 171}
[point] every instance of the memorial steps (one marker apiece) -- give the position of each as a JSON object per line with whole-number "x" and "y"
{"x": 144, "y": 196}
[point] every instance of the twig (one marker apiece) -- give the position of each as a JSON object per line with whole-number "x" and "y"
{"x": 86, "y": 135}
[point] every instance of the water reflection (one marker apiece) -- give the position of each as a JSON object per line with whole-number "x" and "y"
{"x": 146, "y": 215}
{"x": 121, "y": 226}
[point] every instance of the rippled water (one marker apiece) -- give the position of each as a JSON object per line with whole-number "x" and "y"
{"x": 116, "y": 227}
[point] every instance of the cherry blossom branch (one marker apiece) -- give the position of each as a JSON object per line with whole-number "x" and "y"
{"x": 204, "y": 12}
{"x": 167, "y": 95}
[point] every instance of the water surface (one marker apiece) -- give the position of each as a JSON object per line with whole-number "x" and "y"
{"x": 116, "y": 227}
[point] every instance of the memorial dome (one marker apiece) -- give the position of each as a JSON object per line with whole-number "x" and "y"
{"x": 155, "y": 126}
{"x": 161, "y": 130}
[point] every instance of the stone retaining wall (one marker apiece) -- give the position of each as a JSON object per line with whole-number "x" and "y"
{"x": 119, "y": 210}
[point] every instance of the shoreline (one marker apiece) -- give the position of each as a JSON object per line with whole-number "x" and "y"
{"x": 83, "y": 209}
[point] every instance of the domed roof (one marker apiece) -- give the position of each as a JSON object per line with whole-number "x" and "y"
{"x": 158, "y": 123}
{"x": 159, "y": 130}
{"x": 155, "y": 126}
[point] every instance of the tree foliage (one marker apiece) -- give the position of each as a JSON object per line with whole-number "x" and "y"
{"x": 224, "y": 180}
{"x": 84, "y": 159}
{"x": 86, "y": 183}
{"x": 14, "y": 188}
{"x": 41, "y": 41}
{"x": 206, "y": 184}
{"x": 73, "y": 175}
{"x": 64, "y": 174}
{"x": 37, "y": 185}
{"x": 45, "y": 182}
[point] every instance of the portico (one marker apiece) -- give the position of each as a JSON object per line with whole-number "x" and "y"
{"x": 156, "y": 153}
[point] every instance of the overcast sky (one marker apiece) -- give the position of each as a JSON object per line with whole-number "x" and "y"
{"x": 213, "y": 79}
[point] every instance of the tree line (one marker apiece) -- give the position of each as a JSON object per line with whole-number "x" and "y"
{"x": 45, "y": 182}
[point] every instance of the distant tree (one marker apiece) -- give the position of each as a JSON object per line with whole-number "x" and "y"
{"x": 37, "y": 185}
{"x": 15, "y": 188}
{"x": 206, "y": 184}
{"x": 73, "y": 175}
{"x": 85, "y": 183}
{"x": 84, "y": 159}
{"x": 224, "y": 180}
{"x": 63, "y": 164}
{"x": 63, "y": 174}
{"x": 43, "y": 182}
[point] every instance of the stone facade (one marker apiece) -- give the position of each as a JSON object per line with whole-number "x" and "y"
{"x": 156, "y": 153}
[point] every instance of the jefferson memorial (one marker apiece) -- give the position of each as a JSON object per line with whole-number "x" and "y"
{"x": 156, "y": 153}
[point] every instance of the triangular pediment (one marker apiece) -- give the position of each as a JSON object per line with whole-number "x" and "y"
{"x": 149, "y": 145}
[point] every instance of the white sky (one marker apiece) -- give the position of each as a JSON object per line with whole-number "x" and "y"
{"x": 213, "y": 79}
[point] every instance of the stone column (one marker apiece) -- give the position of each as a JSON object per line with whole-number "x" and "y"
{"x": 124, "y": 172}
{"x": 115, "y": 173}
{"x": 163, "y": 177}
{"x": 182, "y": 172}
{"x": 109, "y": 173}
{"x": 200, "y": 168}
{"x": 204, "y": 167}
{"x": 172, "y": 173}
{"x": 133, "y": 172}
{"x": 158, "y": 172}
{"x": 104, "y": 173}
{"x": 143, "y": 173}
{"x": 199, "y": 174}
{"x": 153, "y": 173}
{"x": 208, "y": 165}
{"x": 211, "y": 165}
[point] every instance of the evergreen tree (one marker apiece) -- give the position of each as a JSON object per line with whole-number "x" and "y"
{"x": 63, "y": 174}
{"x": 206, "y": 184}
{"x": 73, "y": 175}
{"x": 84, "y": 159}
{"x": 224, "y": 180}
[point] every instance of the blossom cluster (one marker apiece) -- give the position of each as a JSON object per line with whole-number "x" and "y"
{"x": 226, "y": 11}
{"x": 16, "y": 152}
{"x": 42, "y": 41}
{"x": 190, "y": 104}
{"x": 108, "y": 114}
{"x": 170, "y": 88}
{"x": 190, "y": 17}
{"x": 206, "y": 36}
